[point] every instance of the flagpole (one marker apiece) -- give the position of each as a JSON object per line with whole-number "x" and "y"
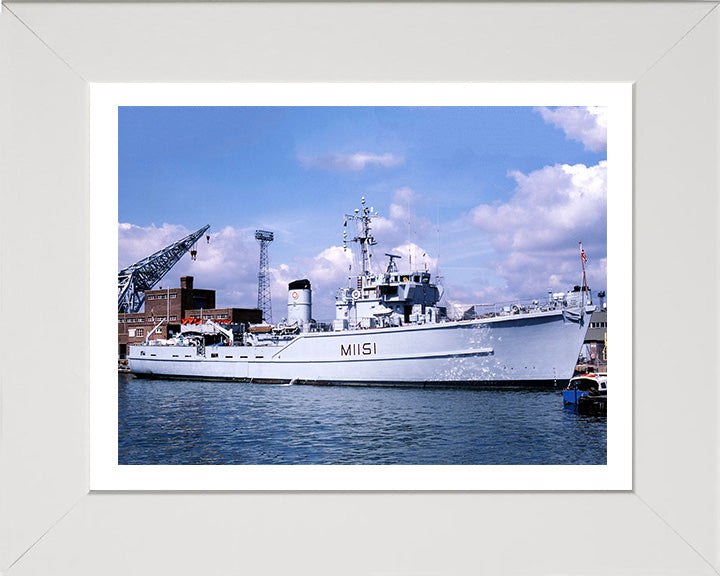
{"x": 583, "y": 258}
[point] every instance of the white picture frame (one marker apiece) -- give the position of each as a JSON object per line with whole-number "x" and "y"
{"x": 667, "y": 524}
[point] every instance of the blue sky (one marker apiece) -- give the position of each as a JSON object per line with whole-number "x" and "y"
{"x": 495, "y": 198}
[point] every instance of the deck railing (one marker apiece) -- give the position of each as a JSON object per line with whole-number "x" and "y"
{"x": 510, "y": 307}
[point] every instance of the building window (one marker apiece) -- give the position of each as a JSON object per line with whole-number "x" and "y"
{"x": 196, "y": 316}
{"x": 173, "y": 318}
{"x": 173, "y": 295}
{"x": 139, "y": 331}
{"x": 222, "y": 316}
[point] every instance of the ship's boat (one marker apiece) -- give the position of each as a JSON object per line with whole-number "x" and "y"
{"x": 585, "y": 385}
{"x": 389, "y": 329}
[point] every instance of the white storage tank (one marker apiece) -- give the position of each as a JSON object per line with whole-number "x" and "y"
{"x": 299, "y": 302}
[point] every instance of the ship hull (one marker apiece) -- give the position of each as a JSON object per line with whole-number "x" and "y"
{"x": 537, "y": 347}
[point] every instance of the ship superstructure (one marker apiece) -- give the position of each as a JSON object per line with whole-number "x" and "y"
{"x": 386, "y": 299}
{"x": 389, "y": 329}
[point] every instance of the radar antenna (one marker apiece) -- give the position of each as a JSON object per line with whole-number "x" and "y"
{"x": 134, "y": 280}
{"x": 392, "y": 265}
{"x": 363, "y": 219}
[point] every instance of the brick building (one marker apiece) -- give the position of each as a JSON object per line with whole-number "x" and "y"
{"x": 172, "y": 305}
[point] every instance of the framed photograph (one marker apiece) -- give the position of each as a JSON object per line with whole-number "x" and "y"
{"x": 68, "y": 504}
{"x": 496, "y": 328}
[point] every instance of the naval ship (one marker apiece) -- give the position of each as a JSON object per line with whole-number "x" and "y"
{"x": 389, "y": 330}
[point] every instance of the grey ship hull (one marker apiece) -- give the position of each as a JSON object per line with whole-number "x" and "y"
{"x": 540, "y": 347}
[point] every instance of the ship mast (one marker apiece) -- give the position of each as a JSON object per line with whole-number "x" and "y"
{"x": 363, "y": 217}
{"x": 583, "y": 260}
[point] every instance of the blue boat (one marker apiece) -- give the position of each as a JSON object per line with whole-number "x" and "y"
{"x": 583, "y": 385}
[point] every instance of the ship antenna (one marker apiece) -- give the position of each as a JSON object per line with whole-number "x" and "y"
{"x": 409, "y": 241}
{"x": 437, "y": 262}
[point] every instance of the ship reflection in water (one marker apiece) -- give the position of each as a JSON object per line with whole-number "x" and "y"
{"x": 197, "y": 422}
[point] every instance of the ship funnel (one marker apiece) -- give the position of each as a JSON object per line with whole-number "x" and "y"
{"x": 299, "y": 302}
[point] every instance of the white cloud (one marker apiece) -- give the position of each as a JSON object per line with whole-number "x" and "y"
{"x": 351, "y": 162}
{"x": 414, "y": 257}
{"x": 406, "y": 195}
{"x": 536, "y": 232}
{"x": 582, "y": 124}
{"x": 387, "y": 230}
{"x": 229, "y": 262}
{"x": 136, "y": 242}
{"x": 404, "y": 199}
{"x": 326, "y": 271}
{"x": 403, "y": 223}
{"x": 550, "y": 207}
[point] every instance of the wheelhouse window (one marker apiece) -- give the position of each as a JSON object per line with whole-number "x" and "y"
{"x": 388, "y": 290}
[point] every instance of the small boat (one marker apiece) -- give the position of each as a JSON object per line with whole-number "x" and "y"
{"x": 584, "y": 385}
{"x": 593, "y": 404}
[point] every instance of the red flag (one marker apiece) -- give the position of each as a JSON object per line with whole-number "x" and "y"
{"x": 584, "y": 258}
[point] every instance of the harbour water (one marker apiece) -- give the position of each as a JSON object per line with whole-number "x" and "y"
{"x": 196, "y": 422}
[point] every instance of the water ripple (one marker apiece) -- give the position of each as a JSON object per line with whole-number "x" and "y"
{"x": 188, "y": 422}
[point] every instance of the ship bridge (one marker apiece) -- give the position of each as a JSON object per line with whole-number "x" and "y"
{"x": 390, "y": 299}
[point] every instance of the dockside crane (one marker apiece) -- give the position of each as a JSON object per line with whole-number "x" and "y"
{"x": 134, "y": 280}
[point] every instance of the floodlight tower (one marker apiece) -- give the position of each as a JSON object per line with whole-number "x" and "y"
{"x": 264, "y": 301}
